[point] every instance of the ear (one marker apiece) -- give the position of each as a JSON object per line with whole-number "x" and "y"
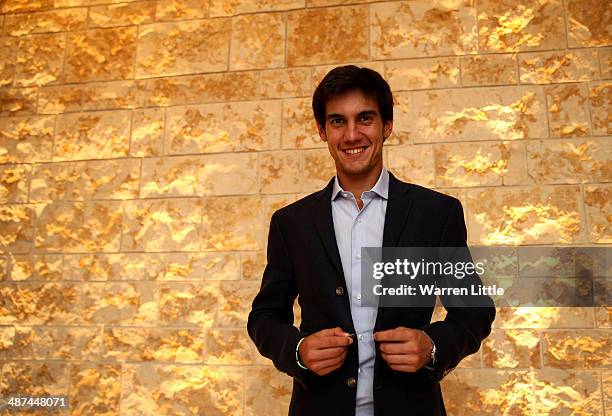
{"x": 322, "y": 134}
{"x": 387, "y": 129}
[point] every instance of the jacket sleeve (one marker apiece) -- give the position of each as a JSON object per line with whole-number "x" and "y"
{"x": 270, "y": 322}
{"x": 464, "y": 328}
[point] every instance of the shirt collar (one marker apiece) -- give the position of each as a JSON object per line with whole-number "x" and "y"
{"x": 381, "y": 187}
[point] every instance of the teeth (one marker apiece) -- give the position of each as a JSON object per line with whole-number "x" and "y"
{"x": 355, "y": 151}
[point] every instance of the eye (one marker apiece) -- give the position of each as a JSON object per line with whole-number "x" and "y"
{"x": 365, "y": 117}
{"x": 335, "y": 121}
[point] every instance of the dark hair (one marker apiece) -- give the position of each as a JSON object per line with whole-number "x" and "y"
{"x": 344, "y": 79}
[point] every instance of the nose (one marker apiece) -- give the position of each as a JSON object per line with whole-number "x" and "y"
{"x": 352, "y": 132}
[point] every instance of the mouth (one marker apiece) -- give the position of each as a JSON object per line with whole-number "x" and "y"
{"x": 355, "y": 151}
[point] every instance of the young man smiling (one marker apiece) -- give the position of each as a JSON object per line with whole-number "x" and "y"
{"x": 349, "y": 358}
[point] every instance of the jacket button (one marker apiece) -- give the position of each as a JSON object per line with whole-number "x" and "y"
{"x": 351, "y": 382}
{"x": 339, "y": 291}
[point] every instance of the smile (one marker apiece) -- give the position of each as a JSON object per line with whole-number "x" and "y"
{"x": 354, "y": 151}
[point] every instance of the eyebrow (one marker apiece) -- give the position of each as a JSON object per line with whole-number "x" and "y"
{"x": 362, "y": 113}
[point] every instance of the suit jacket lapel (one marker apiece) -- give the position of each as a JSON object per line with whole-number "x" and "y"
{"x": 398, "y": 207}
{"x": 324, "y": 223}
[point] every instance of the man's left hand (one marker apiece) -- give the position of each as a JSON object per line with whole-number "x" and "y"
{"x": 404, "y": 349}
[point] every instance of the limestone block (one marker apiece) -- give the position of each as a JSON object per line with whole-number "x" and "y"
{"x": 79, "y": 226}
{"x": 181, "y": 9}
{"x": 600, "y": 97}
{"x": 162, "y": 225}
{"x": 577, "y": 349}
{"x": 123, "y": 14}
{"x": 39, "y": 378}
{"x": 318, "y": 169}
{"x": 17, "y": 224}
{"x": 497, "y": 69}
{"x": 424, "y": 73}
{"x": 188, "y": 303}
{"x": 258, "y": 41}
{"x": 570, "y": 160}
{"x": 232, "y": 7}
{"x": 232, "y": 223}
{"x": 404, "y": 29}
{"x": 558, "y": 66}
{"x": 599, "y": 212}
{"x": 513, "y": 348}
{"x": 26, "y": 139}
{"x": 503, "y": 113}
{"x": 195, "y": 89}
{"x": 37, "y": 267}
{"x": 488, "y": 392}
{"x": 229, "y": 346}
{"x": 224, "y": 174}
{"x": 104, "y": 267}
{"x": 103, "y": 179}
{"x": 568, "y": 112}
{"x": 154, "y": 344}
{"x": 207, "y": 128}
{"x": 526, "y": 25}
{"x": 268, "y": 392}
{"x": 191, "y": 46}
{"x": 412, "y": 163}
{"x": 316, "y": 36}
{"x": 17, "y": 101}
{"x": 282, "y": 83}
{"x": 559, "y": 391}
{"x": 14, "y": 183}
{"x": 40, "y": 304}
{"x": 480, "y": 164}
{"x": 147, "y": 132}
{"x": 525, "y": 215}
{"x": 124, "y": 303}
{"x": 588, "y": 23}
{"x": 280, "y": 172}
{"x": 182, "y": 389}
{"x": 92, "y": 135}
{"x": 100, "y": 54}
{"x": 299, "y": 126}
{"x": 193, "y": 266}
{"x": 46, "y": 21}
{"x": 95, "y": 388}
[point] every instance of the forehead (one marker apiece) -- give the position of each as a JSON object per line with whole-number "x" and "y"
{"x": 351, "y": 102}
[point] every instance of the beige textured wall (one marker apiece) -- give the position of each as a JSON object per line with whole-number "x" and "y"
{"x": 144, "y": 146}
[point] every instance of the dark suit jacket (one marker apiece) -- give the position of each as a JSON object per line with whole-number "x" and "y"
{"x": 303, "y": 259}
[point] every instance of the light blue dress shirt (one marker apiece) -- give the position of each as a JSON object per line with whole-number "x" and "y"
{"x": 355, "y": 229}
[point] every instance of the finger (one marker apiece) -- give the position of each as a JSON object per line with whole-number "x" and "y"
{"x": 331, "y": 342}
{"x": 404, "y": 368}
{"x": 400, "y": 359}
{"x": 331, "y": 332}
{"x": 319, "y": 355}
{"x": 396, "y": 334}
{"x": 331, "y": 362}
{"x": 406, "y": 347}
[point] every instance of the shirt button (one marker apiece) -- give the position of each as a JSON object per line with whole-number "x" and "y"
{"x": 351, "y": 382}
{"x": 359, "y": 296}
{"x": 359, "y": 220}
{"x": 360, "y": 337}
{"x": 358, "y": 255}
{"x": 339, "y": 291}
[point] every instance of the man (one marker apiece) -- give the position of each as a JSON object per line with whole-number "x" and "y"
{"x": 347, "y": 358}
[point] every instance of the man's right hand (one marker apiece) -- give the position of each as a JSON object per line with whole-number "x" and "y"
{"x": 324, "y": 351}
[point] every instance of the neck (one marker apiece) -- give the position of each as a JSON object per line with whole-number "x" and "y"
{"x": 357, "y": 184}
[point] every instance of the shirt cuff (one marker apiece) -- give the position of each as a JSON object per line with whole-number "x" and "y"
{"x": 297, "y": 356}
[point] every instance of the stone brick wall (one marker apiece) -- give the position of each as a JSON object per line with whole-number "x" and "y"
{"x": 145, "y": 144}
